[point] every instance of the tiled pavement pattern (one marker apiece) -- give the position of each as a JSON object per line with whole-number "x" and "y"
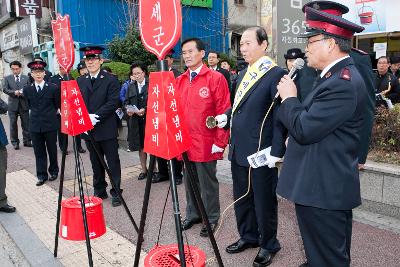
{"x": 38, "y": 206}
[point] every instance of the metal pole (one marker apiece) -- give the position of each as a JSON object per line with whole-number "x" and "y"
{"x": 117, "y": 190}
{"x": 144, "y": 210}
{"x": 192, "y": 176}
{"x": 82, "y": 199}
{"x": 177, "y": 215}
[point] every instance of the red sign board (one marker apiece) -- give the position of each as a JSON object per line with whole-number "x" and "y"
{"x": 63, "y": 42}
{"x": 30, "y": 8}
{"x": 160, "y": 25}
{"x": 166, "y": 135}
{"x": 74, "y": 115}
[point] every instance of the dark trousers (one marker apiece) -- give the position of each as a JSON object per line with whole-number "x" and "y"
{"x": 3, "y": 169}
{"x": 163, "y": 167}
{"x": 257, "y": 213}
{"x": 326, "y": 235}
{"x": 209, "y": 189}
{"x": 63, "y": 138}
{"x": 42, "y": 142}
{"x": 109, "y": 150}
{"x": 24, "y": 115}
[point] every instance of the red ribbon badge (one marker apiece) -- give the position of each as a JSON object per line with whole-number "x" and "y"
{"x": 63, "y": 42}
{"x": 160, "y": 25}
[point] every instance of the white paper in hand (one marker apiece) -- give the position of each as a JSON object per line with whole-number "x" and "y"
{"x": 260, "y": 158}
{"x": 131, "y": 108}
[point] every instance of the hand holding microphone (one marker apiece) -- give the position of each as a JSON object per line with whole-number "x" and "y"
{"x": 286, "y": 87}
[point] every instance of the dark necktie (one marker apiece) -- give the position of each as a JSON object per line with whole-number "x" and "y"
{"x": 17, "y": 80}
{"x": 39, "y": 88}
{"x": 192, "y": 75}
{"x": 93, "y": 80}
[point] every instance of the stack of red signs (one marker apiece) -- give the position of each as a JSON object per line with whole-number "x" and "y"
{"x": 166, "y": 135}
{"x": 74, "y": 115}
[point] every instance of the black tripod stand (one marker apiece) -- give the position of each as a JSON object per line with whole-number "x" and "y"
{"x": 192, "y": 177}
{"x": 81, "y": 192}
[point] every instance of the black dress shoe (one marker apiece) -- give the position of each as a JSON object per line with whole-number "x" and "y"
{"x": 187, "y": 224}
{"x": 142, "y": 176}
{"x": 40, "y": 182}
{"x": 158, "y": 177}
{"x": 16, "y": 146}
{"x": 81, "y": 150}
{"x": 7, "y": 209}
{"x": 53, "y": 177}
{"x": 240, "y": 246}
{"x": 203, "y": 231}
{"x": 28, "y": 144}
{"x": 263, "y": 258}
{"x": 304, "y": 264}
{"x": 101, "y": 195}
{"x": 115, "y": 202}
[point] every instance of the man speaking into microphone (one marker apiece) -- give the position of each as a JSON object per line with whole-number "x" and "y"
{"x": 320, "y": 172}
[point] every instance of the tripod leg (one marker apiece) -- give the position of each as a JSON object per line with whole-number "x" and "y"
{"x": 192, "y": 174}
{"x": 117, "y": 190}
{"x": 177, "y": 215}
{"x": 144, "y": 210}
{"x": 60, "y": 193}
{"x": 82, "y": 199}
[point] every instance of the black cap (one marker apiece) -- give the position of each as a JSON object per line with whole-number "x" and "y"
{"x": 394, "y": 60}
{"x": 37, "y": 65}
{"x": 294, "y": 53}
{"x": 321, "y": 22}
{"x": 327, "y": 7}
{"x": 81, "y": 65}
{"x": 37, "y": 58}
{"x": 91, "y": 51}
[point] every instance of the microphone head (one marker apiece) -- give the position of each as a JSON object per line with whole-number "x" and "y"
{"x": 298, "y": 63}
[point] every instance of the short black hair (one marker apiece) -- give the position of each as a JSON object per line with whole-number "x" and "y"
{"x": 199, "y": 43}
{"x": 385, "y": 57}
{"x": 16, "y": 63}
{"x": 214, "y": 52}
{"x": 224, "y": 60}
{"x": 261, "y": 34}
{"x": 139, "y": 64}
{"x": 344, "y": 44}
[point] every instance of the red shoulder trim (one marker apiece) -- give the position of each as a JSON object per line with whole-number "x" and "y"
{"x": 345, "y": 74}
{"x": 359, "y": 51}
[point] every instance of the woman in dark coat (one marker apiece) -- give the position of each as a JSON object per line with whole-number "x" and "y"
{"x": 136, "y": 96}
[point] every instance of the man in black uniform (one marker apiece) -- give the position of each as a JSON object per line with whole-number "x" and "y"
{"x": 100, "y": 91}
{"x": 386, "y": 84}
{"x": 63, "y": 138}
{"x": 395, "y": 66}
{"x": 213, "y": 60}
{"x": 320, "y": 170}
{"x": 44, "y": 101}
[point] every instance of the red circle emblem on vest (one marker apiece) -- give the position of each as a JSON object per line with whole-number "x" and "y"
{"x": 204, "y": 92}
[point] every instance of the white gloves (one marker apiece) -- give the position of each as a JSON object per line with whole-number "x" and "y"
{"x": 262, "y": 158}
{"x": 222, "y": 120}
{"x": 94, "y": 119}
{"x": 216, "y": 149}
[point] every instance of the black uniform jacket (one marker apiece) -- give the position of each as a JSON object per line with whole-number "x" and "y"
{"x": 248, "y": 117}
{"x": 101, "y": 99}
{"x": 43, "y": 107}
{"x": 320, "y": 167}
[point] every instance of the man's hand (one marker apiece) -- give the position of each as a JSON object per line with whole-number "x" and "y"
{"x": 216, "y": 149}
{"x": 271, "y": 160}
{"x": 222, "y": 120}
{"x": 94, "y": 119}
{"x": 17, "y": 92}
{"x": 141, "y": 112}
{"x": 286, "y": 88}
{"x": 361, "y": 166}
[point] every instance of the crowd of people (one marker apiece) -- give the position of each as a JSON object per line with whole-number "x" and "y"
{"x": 319, "y": 120}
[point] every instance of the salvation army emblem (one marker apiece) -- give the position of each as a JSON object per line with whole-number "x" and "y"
{"x": 204, "y": 92}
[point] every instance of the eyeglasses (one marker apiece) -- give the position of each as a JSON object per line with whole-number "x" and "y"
{"x": 311, "y": 42}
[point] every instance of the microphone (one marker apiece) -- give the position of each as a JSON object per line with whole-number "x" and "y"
{"x": 298, "y": 64}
